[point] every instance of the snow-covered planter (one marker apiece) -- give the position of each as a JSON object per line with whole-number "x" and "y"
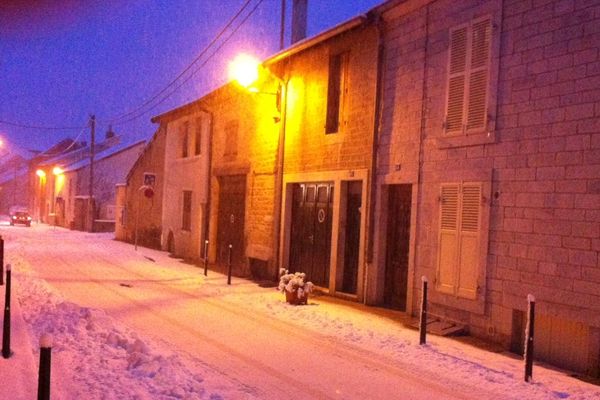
{"x": 294, "y": 286}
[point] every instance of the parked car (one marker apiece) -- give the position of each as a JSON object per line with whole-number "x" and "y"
{"x": 20, "y": 217}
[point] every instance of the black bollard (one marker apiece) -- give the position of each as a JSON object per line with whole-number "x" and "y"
{"x": 229, "y": 265}
{"x": 423, "y": 319}
{"x": 529, "y": 338}
{"x": 1, "y": 261}
{"x": 45, "y": 365}
{"x": 206, "y": 258}
{"x": 6, "y": 323}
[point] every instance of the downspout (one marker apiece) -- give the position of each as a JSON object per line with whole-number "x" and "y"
{"x": 421, "y": 134}
{"x": 374, "y": 150}
{"x": 278, "y": 208}
{"x": 207, "y": 212}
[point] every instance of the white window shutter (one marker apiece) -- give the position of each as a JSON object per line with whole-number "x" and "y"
{"x": 479, "y": 66}
{"x": 468, "y": 251}
{"x": 456, "y": 80}
{"x": 448, "y": 239}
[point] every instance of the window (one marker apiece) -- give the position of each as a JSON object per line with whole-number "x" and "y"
{"x": 184, "y": 134}
{"x": 468, "y": 77}
{"x": 459, "y": 239}
{"x": 186, "y": 214}
{"x": 336, "y": 91}
{"x": 198, "y": 137}
{"x": 231, "y": 139}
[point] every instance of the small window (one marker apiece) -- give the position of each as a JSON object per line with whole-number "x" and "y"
{"x": 198, "y": 137}
{"x": 336, "y": 91}
{"x": 185, "y": 140}
{"x": 468, "y": 77}
{"x": 231, "y": 139}
{"x": 149, "y": 179}
{"x": 186, "y": 215}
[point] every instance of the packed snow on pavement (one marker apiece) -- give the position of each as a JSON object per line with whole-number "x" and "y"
{"x": 97, "y": 355}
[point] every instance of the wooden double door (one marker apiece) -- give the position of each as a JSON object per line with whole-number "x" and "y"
{"x": 310, "y": 244}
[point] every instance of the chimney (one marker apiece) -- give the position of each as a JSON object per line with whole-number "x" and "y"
{"x": 299, "y": 20}
{"x": 109, "y": 133}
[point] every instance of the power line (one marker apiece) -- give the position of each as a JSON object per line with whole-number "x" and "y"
{"x": 138, "y": 115}
{"x": 40, "y": 127}
{"x": 202, "y": 53}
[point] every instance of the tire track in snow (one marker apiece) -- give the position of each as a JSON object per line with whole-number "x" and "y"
{"x": 349, "y": 352}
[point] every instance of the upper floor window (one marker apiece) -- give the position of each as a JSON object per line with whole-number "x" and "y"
{"x": 468, "y": 77}
{"x": 185, "y": 140}
{"x": 231, "y": 139}
{"x": 186, "y": 211}
{"x": 336, "y": 91}
{"x": 198, "y": 137}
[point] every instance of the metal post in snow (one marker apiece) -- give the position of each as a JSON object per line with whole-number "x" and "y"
{"x": 528, "y": 356}
{"x": 206, "y": 258}
{"x": 1, "y": 261}
{"x": 423, "y": 318}
{"x": 45, "y": 365}
{"x": 6, "y": 324}
{"x": 229, "y": 265}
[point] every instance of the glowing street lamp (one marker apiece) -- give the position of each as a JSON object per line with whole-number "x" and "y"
{"x": 57, "y": 170}
{"x": 244, "y": 70}
{"x": 40, "y": 173}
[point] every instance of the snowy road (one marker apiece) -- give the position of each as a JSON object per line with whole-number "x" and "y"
{"x": 246, "y": 341}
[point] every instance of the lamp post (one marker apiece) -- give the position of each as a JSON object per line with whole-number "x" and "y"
{"x": 245, "y": 70}
{"x": 42, "y": 175}
{"x": 57, "y": 172}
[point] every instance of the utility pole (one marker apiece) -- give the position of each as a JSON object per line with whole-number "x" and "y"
{"x": 282, "y": 26}
{"x": 91, "y": 187}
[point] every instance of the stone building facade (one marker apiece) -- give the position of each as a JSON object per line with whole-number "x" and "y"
{"x": 229, "y": 182}
{"x": 490, "y": 145}
{"x": 329, "y": 118}
{"x": 134, "y": 210}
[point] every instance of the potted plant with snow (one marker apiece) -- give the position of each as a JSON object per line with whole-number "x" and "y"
{"x": 294, "y": 286}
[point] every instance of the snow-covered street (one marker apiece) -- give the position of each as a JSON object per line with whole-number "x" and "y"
{"x": 142, "y": 325}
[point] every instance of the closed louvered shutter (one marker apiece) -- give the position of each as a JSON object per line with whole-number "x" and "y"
{"x": 468, "y": 77}
{"x": 478, "y": 75}
{"x": 448, "y": 239}
{"x": 456, "y": 80}
{"x": 468, "y": 252}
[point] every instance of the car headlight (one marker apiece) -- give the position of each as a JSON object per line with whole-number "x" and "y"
{"x": 14, "y": 217}
{"x": 28, "y": 218}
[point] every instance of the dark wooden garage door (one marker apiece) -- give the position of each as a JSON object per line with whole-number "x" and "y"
{"x": 311, "y": 231}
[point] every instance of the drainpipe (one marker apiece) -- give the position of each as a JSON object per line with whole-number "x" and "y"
{"x": 376, "y": 130}
{"x": 278, "y": 208}
{"x": 207, "y": 213}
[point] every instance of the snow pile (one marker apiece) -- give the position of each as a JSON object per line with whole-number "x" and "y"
{"x": 104, "y": 360}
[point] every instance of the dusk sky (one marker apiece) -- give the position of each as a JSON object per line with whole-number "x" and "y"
{"x": 62, "y": 60}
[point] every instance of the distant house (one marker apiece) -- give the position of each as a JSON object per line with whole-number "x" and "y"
{"x": 62, "y": 185}
{"x": 110, "y": 167}
{"x": 136, "y": 213}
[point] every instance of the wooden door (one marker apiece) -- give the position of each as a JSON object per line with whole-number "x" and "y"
{"x": 352, "y": 237}
{"x": 231, "y": 217}
{"x": 398, "y": 241}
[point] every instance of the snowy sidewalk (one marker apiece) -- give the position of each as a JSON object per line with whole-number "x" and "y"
{"x": 19, "y": 372}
